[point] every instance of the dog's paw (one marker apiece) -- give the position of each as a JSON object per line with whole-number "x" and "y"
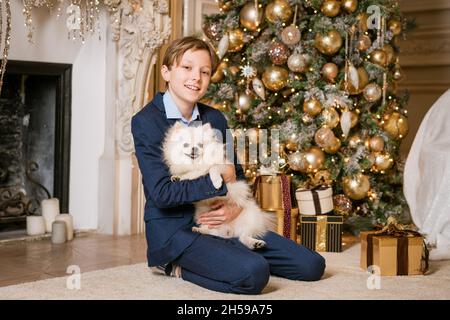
{"x": 196, "y": 229}
{"x": 259, "y": 244}
{"x": 216, "y": 178}
{"x": 252, "y": 243}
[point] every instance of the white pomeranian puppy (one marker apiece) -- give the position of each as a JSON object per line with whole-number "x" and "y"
{"x": 191, "y": 152}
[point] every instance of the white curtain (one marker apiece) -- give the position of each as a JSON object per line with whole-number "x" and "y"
{"x": 427, "y": 178}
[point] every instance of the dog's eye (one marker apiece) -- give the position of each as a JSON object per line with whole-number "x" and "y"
{"x": 186, "y": 145}
{"x": 200, "y": 145}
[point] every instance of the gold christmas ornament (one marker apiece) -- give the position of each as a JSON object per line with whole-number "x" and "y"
{"x": 298, "y": 62}
{"x": 356, "y": 187}
{"x": 350, "y": 6}
{"x": 321, "y": 177}
{"x": 396, "y": 125}
{"x": 372, "y": 92}
{"x": 330, "y": 117}
{"x": 395, "y": 26}
{"x": 312, "y": 107}
{"x": 390, "y": 53}
{"x": 376, "y": 143}
{"x": 211, "y": 30}
{"x": 225, "y": 5}
{"x": 334, "y": 146}
{"x": 383, "y": 161}
{"x": 379, "y": 57}
{"x": 307, "y": 119}
{"x": 236, "y": 40}
{"x": 244, "y": 100}
{"x": 364, "y": 42}
{"x": 354, "y": 141}
{"x": 342, "y": 204}
{"x": 330, "y": 71}
{"x": 275, "y": 78}
{"x": 291, "y": 35}
{"x": 220, "y": 72}
{"x": 291, "y": 145}
{"x": 278, "y": 53}
{"x": 279, "y": 11}
{"x": 328, "y": 43}
{"x": 297, "y": 161}
{"x": 324, "y": 137}
{"x": 330, "y": 8}
{"x": 251, "y": 16}
{"x": 363, "y": 80}
{"x": 315, "y": 158}
{"x": 398, "y": 75}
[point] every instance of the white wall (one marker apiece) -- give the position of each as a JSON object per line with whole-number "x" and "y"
{"x": 90, "y": 90}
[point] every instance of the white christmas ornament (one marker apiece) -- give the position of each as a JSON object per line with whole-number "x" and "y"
{"x": 223, "y": 45}
{"x": 353, "y": 76}
{"x": 346, "y": 122}
{"x": 258, "y": 86}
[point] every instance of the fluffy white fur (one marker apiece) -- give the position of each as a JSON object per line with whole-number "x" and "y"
{"x": 191, "y": 152}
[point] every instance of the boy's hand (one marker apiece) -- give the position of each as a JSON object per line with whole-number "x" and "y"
{"x": 221, "y": 213}
{"x": 228, "y": 173}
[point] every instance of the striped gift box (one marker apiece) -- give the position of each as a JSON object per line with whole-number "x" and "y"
{"x": 322, "y": 232}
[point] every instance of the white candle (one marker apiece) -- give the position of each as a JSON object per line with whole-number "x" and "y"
{"x": 67, "y": 218}
{"x": 50, "y": 209}
{"x": 35, "y": 225}
{"x": 59, "y": 232}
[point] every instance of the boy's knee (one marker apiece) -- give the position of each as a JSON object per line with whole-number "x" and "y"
{"x": 255, "y": 276}
{"x": 316, "y": 268}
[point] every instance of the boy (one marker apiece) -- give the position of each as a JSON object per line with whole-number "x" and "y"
{"x": 215, "y": 263}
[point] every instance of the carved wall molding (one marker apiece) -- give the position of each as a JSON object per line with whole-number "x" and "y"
{"x": 139, "y": 32}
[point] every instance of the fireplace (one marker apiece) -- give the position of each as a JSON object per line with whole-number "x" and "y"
{"x": 35, "y": 112}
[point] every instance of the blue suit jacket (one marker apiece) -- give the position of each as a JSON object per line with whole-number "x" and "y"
{"x": 169, "y": 211}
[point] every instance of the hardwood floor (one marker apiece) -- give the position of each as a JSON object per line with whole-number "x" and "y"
{"x": 27, "y": 261}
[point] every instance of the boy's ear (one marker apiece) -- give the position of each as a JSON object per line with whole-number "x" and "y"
{"x": 165, "y": 72}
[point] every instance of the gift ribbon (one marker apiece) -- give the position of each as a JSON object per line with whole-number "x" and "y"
{"x": 321, "y": 233}
{"x": 286, "y": 194}
{"x": 396, "y": 230}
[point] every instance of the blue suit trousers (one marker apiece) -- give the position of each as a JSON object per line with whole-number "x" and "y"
{"x": 226, "y": 265}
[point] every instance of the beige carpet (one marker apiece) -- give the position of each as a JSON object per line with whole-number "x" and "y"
{"x": 343, "y": 280}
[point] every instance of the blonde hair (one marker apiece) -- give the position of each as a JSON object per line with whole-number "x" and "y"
{"x": 178, "y": 47}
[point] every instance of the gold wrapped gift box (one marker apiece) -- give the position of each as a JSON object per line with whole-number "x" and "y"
{"x": 393, "y": 254}
{"x": 272, "y": 196}
{"x": 321, "y": 233}
{"x": 281, "y": 218}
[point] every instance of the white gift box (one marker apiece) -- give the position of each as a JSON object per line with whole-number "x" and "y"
{"x": 314, "y": 201}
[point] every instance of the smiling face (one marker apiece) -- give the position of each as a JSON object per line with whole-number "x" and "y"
{"x": 189, "y": 149}
{"x": 189, "y": 77}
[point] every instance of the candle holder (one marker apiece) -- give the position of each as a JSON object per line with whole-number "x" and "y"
{"x": 68, "y": 220}
{"x": 50, "y": 209}
{"x": 35, "y": 225}
{"x": 59, "y": 233}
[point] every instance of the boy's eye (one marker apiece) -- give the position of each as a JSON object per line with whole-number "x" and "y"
{"x": 186, "y": 145}
{"x": 206, "y": 73}
{"x": 186, "y": 67}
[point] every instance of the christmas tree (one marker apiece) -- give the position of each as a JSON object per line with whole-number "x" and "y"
{"x": 325, "y": 73}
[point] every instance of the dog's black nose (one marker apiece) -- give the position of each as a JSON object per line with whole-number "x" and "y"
{"x": 194, "y": 150}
